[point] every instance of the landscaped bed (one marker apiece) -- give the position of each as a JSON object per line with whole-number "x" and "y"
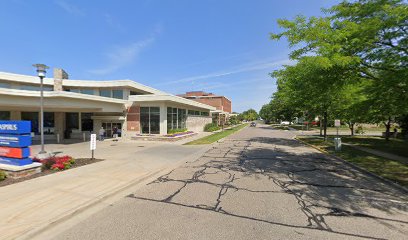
{"x": 79, "y": 162}
{"x": 390, "y": 169}
{"x": 166, "y": 138}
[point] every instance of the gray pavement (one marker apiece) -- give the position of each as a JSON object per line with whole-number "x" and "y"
{"x": 256, "y": 184}
{"x": 31, "y": 207}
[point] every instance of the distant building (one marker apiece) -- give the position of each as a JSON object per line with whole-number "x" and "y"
{"x": 222, "y": 104}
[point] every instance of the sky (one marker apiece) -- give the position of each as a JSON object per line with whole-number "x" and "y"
{"x": 218, "y": 46}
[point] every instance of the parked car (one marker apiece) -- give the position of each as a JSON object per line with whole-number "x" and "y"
{"x": 285, "y": 123}
{"x": 253, "y": 124}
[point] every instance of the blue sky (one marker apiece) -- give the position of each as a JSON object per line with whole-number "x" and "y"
{"x": 219, "y": 46}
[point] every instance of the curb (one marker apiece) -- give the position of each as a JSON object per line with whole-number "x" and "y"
{"x": 143, "y": 178}
{"x": 389, "y": 182}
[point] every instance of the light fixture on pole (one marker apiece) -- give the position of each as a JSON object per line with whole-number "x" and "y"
{"x": 41, "y": 70}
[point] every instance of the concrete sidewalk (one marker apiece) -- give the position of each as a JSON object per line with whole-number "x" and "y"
{"x": 30, "y": 206}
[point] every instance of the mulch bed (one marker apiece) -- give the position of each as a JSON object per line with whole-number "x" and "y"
{"x": 79, "y": 162}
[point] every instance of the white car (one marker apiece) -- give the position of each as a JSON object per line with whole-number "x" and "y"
{"x": 285, "y": 123}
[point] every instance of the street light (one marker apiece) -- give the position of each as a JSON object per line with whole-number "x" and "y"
{"x": 41, "y": 70}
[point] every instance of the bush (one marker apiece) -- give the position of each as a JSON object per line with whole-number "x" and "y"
{"x": 211, "y": 127}
{"x": 57, "y": 163}
{"x": 176, "y": 130}
{"x": 2, "y": 175}
{"x": 359, "y": 130}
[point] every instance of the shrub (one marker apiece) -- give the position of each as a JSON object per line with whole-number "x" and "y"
{"x": 176, "y": 130}
{"x": 47, "y": 163}
{"x": 2, "y": 175}
{"x": 57, "y": 163}
{"x": 359, "y": 130}
{"x": 211, "y": 127}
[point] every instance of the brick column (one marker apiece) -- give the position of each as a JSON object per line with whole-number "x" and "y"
{"x": 133, "y": 119}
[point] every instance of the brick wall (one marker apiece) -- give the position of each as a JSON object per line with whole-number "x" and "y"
{"x": 133, "y": 119}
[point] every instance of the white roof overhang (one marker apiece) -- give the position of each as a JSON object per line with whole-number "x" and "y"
{"x": 80, "y": 83}
{"x": 170, "y": 98}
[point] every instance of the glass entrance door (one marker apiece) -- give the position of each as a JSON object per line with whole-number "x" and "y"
{"x": 150, "y": 120}
{"x": 112, "y": 128}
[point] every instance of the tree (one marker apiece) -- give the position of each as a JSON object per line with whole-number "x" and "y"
{"x": 249, "y": 115}
{"x": 364, "y": 39}
{"x": 313, "y": 86}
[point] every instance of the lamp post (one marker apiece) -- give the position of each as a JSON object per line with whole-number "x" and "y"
{"x": 41, "y": 70}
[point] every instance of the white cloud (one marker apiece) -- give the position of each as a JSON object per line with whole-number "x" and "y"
{"x": 246, "y": 68}
{"x": 121, "y": 56}
{"x": 69, "y": 8}
{"x": 113, "y": 23}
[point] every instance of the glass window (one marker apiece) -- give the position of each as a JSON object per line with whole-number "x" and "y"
{"x": 144, "y": 120}
{"x": 179, "y": 118}
{"x": 48, "y": 123}
{"x": 87, "y": 91}
{"x": 169, "y": 117}
{"x": 154, "y": 120}
{"x": 72, "y": 120}
{"x": 4, "y": 115}
{"x": 105, "y": 93}
{"x": 117, "y": 94}
{"x": 176, "y": 118}
{"x": 136, "y": 93}
{"x": 4, "y": 85}
{"x": 205, "y": 114}
{"x": 190, "y": 112}
{"x": 35, "y": 87}
{"x": 86, "y": 122}
{"x": 72, "y": 90}
{"x": 33, "y": 117}
{"x": 150, "y": 120}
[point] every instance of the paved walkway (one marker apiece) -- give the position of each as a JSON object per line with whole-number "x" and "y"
{"x": 257, "y": 184}
{"x": 29, "y": 206}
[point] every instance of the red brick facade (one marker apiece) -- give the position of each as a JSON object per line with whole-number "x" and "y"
{"x": 220, "y": 102}
{"x": 133, "y": 119}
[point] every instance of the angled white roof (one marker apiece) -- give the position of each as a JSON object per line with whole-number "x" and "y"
{"x": 79, "y": 83}
{"x": 169, "y": 98}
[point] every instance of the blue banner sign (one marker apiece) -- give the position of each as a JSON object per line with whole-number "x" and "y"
{"x": 15, "y": 127}
{"x": 16, "y": 161}
{"x": 15, "y": 140}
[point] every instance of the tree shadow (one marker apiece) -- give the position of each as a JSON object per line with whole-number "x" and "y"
{"x": 322, "y": 187}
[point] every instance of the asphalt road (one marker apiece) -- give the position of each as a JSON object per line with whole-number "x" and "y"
{"x": 257, "y": 184}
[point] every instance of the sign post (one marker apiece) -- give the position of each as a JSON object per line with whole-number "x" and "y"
{"x": 337, "y": 140}
{"x": 93, "y": 144}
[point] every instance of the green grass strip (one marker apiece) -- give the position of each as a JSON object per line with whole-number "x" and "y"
{"x": 216, "y": 136}
{"x": 393, "y": 170}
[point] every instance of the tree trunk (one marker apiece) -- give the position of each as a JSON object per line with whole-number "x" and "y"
{"x": 387, "y": 129}
{"x": 321, "y": 126}
{"x": 351, "y": 126}
{"x": 325, "y": 125}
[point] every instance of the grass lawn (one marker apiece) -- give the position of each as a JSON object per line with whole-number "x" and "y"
{"x": 216, "y": 136}
{"x": 392, "y": 170}
{"x": 394, "y": 146}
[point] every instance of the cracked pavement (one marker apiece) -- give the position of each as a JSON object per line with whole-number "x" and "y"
{"x": 258, "y": 183}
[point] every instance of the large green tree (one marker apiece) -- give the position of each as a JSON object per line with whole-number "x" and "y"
{"x": 364, "y": 39}
{"x": 249, "y": 115}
